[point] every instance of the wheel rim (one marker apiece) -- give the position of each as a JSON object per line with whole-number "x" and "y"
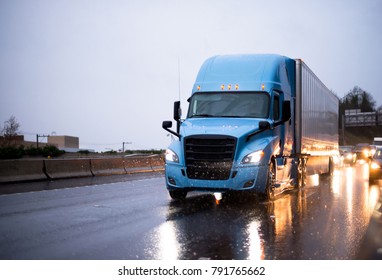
{"x": 301, "y": 173}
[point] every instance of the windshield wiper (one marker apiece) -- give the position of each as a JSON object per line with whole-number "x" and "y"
{"x": 202, "y": 115}
{"x": 227, "y": 116}
{"x": 215, "y": 116}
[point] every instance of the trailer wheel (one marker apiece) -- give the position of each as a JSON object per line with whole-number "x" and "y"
{"x": 301, "y": 172}
{"x": 331, "y": 166}
{"x": 271, "y": 180}
{"x": 178, "y": 194}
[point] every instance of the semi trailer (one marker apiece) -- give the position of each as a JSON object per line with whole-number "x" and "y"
{"x": 255, "y": 123}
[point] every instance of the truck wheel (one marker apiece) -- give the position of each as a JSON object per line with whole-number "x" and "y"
{"x": 178, "y": 194}
{"x": 271, "y": 180}
{"x": 301, "y": 173}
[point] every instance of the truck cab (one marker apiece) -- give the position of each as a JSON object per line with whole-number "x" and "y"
{"x": 238, "y": 134}
{"x": 255, "y": 123}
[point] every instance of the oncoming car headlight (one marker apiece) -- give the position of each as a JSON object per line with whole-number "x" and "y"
{"x": 375, "y": 165}
{"x": 366, "y": 152}
{"x": 252, "y": 158}
{"x": 171, "y": 156}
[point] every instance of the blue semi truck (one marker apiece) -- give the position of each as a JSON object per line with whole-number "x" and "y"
{"x": 255, "y": 123}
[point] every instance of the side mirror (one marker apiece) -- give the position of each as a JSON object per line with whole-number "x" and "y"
{"x": 166, "y": 124}
{"x": 177, "y": 111}
{"x": 264, "y": 125}
{"x": 286, "y": 114}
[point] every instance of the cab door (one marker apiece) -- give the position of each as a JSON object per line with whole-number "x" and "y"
{"x": 278, "y": 131}
{"x": 282, "y": 131}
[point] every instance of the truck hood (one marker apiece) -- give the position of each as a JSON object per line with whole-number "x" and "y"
{"x": 236, "y": 127}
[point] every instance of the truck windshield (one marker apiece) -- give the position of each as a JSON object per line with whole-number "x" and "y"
{"x": 229, "y": 105}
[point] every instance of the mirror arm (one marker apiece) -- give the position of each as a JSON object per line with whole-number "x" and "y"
{"x": 166, "y": 125}
{"x": 249, "y": 136}
{"x": 173, "y": 132}
{"x": 263, "y": 126}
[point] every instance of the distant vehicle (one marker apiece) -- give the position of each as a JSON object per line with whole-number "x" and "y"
{"x": 255, "y": 123}
{"x": 376, "y": 166}
{"x": 348, "y": 156}
{"x": 378, "y": 142}
{"x": 363, "y": 152}
{"x": 373, "y": 149}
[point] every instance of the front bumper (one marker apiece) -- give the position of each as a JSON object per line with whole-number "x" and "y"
{"x": 242, "y": 178}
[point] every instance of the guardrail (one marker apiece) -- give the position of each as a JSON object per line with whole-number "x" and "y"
{"x": 50, "y": 169}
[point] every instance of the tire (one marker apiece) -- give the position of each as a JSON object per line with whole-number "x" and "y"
{"x": 178, "y": 194}
{"x": 331, "y": 166}
{"x": 271, "y": 179}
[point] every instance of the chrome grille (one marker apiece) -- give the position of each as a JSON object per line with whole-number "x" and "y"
{"x": 209, "y": 157}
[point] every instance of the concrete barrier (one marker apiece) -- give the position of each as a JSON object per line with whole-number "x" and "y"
{"x": 67, "y": 168}
{"x": 107, "y": 166}
{"x": 42, "y": 169}
{"x": 21, "y": 170}
{"x": 137, "y": 164}
{"x": 157, "y": 163}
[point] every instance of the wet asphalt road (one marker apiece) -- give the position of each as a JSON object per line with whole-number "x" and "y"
{"x": 132, "y": 217}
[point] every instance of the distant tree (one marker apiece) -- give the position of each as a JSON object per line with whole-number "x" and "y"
{"x": 357, "y": 98}
{"x": 9, "y": 132}
{"x": 11, "y": 127}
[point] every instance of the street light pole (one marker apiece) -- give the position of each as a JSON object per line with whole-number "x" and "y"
{"x": 123, "y": 146}
{"x": 39, "y": 136}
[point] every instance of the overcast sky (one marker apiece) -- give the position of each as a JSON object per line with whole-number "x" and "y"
{"x": 108, "y": 71}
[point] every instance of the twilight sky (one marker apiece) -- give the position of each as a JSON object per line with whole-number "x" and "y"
{"x": 108, "y": 71}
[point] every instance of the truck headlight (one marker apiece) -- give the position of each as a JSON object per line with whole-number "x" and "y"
{"x": 171, "y": 156}
{"x": 252, "y": 158}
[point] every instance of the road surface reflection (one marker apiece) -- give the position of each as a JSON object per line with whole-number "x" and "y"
{"x": 327, "y": 219}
